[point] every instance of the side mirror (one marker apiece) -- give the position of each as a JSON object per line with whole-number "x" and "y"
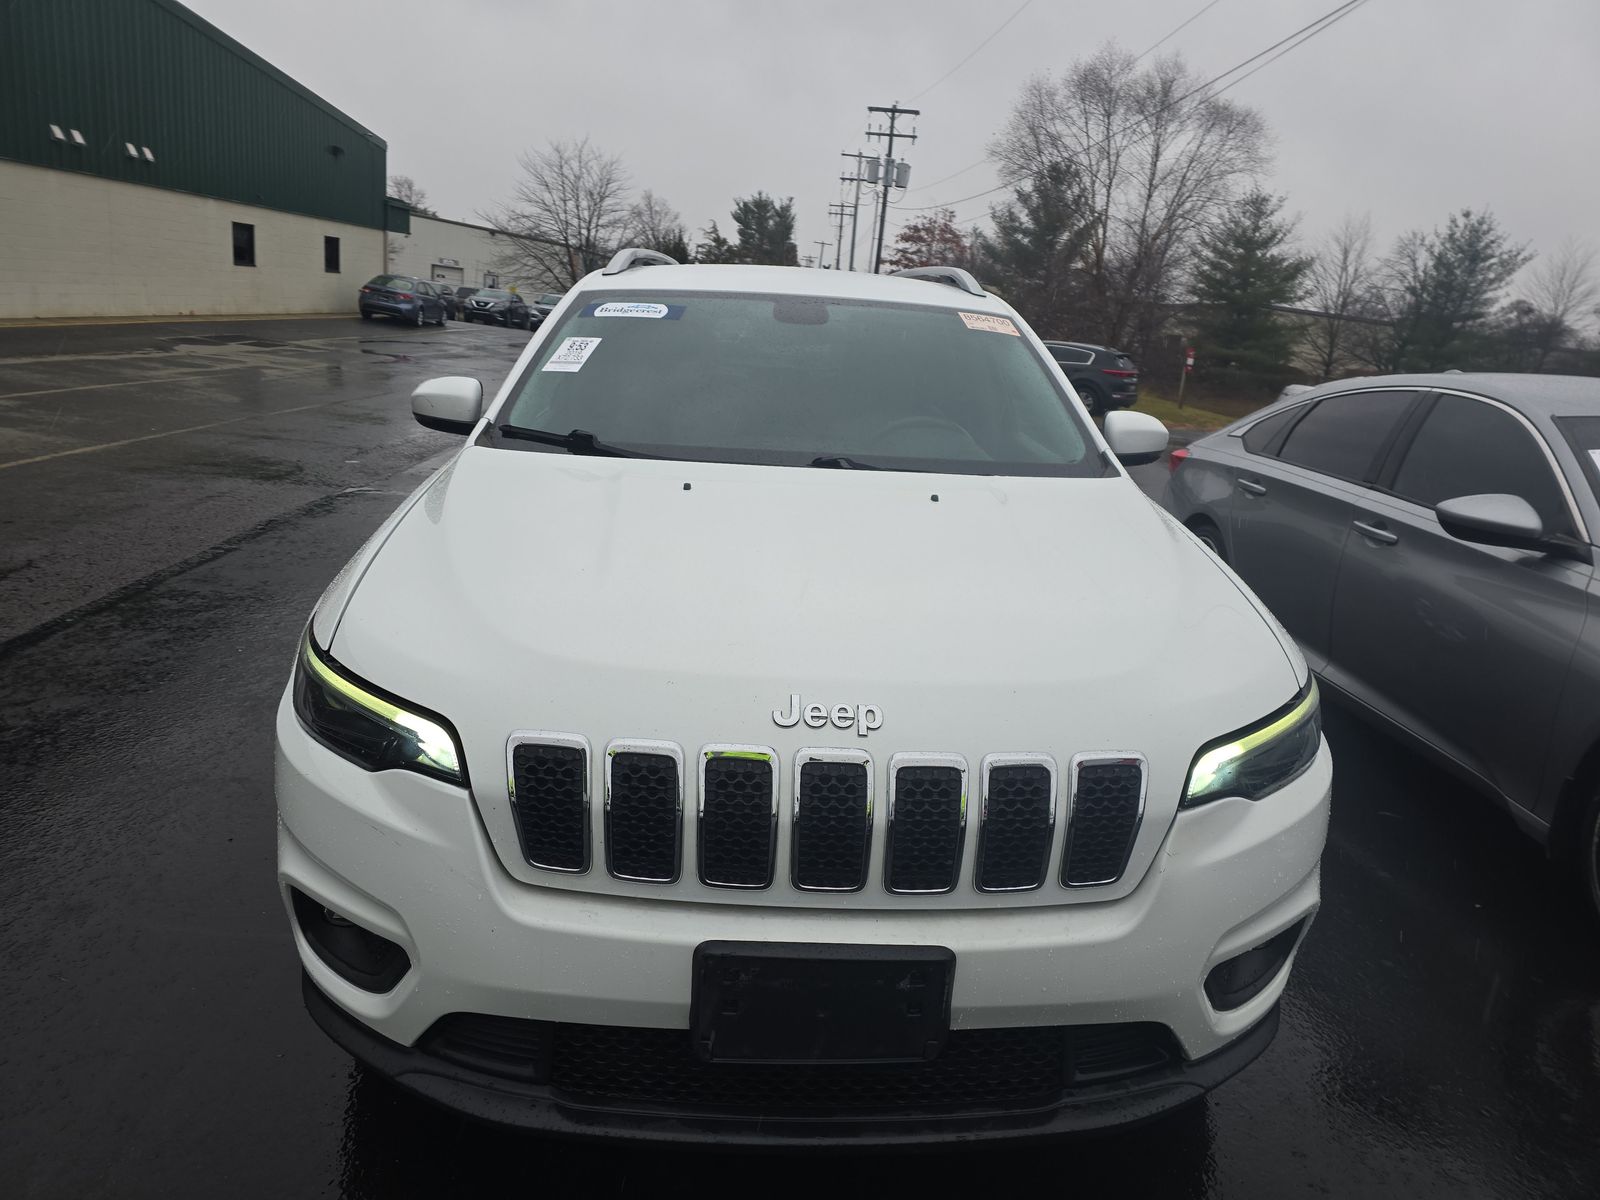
{"x": 450, "y": 404}
{"x": 1135, "y": 438}
{"x": 1492, "y": 519}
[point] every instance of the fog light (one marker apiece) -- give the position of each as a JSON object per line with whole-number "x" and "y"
{"x": 1241, "y": 978}
{"x": 358, "y": 956}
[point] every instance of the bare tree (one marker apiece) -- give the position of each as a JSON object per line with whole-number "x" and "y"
{"x": 1160, "y": 160}
{"x": 567, "y": 213}
{"x": 1561, "y": 289}
{"x": 656, "y": 225}
{"x": 405, "y": 189}
{"x": 1337, "y": 285}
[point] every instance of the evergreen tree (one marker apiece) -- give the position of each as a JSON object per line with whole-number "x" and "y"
{"x": 1243, "y": 269}
{"x": 1442, "y": 290}
{"x": 1038, "y": 245}
{"x": 766, "y": 230}
{"x": 714, "y": 248}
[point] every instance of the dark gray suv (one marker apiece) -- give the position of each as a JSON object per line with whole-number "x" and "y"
{"x": 1103, "y": 378}
{"x": 1430, "y": 541}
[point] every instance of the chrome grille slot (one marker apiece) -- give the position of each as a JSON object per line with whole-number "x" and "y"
{"x": 927, "y": 818}
{"x": 644, "y": 806}
{"x": 1016, "y": 824}
{"x": 832, "y": 820}
{"x": 548, "y": 780}
{"x": 738, "y": 826}
{"x": 1108, "y": 792}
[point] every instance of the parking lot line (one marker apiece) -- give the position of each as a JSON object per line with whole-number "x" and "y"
{"x": 148, "y": 437}
{"x": 90, "y": 387}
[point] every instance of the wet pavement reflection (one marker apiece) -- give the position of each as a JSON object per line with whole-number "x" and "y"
{"x": 1441, "y": 1036}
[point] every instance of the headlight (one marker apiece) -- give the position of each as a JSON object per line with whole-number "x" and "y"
{"x": 372, "y": 731}
{"x": 1259, "y": 759}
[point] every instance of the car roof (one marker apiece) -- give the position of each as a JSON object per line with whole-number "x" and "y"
{"x": 1084, "y": 346}
{"x": 791, "y": 281}
{"x": 1547, "y": 395}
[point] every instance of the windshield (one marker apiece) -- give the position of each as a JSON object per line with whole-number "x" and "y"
{"x": 403, "y": 282}
{"x": 491, "y": 294}
{"x": 787, "y": 380}
{"x": 550, "y": 298}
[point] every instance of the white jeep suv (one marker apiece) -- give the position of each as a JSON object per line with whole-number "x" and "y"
{"x": 785, "y": 721}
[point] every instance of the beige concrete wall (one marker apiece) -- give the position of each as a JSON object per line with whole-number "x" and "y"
{"x": 76, "y": 245}
{"x": 435, "y": 246}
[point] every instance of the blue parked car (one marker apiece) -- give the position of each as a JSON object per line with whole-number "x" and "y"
{"x": 404, "y": 297}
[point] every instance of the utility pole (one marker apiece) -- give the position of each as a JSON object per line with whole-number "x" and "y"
{"x": 839, "y": 211}
{"x": 822, "y": 252}
{"x": 890, "y": 177}
{"x": 855, "y": 208}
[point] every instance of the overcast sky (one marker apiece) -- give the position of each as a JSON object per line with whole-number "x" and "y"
{"x": 1407, "y": 109}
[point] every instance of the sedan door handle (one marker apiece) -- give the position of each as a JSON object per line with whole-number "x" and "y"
{"x": 1251, "y": 486}
{"x": 1376, "y": 532}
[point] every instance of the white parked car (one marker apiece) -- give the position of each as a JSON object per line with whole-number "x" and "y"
{"x": 785, "y": 721}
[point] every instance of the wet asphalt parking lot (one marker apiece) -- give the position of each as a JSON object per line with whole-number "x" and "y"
{"x": 173, "y": 499}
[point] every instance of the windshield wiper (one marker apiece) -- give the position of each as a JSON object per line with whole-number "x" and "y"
{"x": 845, "y": 464}
{"x": 579, "y": 441}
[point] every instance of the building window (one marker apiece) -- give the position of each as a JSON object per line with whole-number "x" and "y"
{"x": 330, "y": 255}
{"x": 244, "y": 244}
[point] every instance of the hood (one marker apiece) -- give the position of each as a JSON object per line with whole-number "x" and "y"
{"x": 688, "y": 601}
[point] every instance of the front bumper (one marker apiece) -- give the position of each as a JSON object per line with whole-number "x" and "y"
{"x": 407, "y": 857}
{"x": 390, "y": 308}
{"x": 546, "y": 1108}
{"x": 495, "y": 315}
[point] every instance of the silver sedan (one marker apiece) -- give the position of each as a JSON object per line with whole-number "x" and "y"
{"x": 1430, "y": 541}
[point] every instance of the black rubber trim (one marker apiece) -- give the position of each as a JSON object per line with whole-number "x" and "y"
{"x": 532, "y": 1107}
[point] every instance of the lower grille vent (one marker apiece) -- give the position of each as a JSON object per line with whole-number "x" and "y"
{"x": 609, "y": 1066}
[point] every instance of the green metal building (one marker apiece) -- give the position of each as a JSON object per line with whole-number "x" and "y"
{"x": 151, "y": 164}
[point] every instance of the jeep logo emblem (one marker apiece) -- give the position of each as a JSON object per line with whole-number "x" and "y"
{"x": 865, "y": 717}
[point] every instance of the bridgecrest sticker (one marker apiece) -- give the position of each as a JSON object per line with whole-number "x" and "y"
{"x": 990, "y": 324}
{"x": 633, "y": 308}
{"x": 571, "y": 354}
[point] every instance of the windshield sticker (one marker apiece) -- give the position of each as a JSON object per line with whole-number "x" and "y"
{"x": 571, "y": 354}
{"x": 990, "y": 324}
{"x": 633, "y": 308}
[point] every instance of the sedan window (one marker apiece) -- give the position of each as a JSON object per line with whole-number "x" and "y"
{"x": 1466, "y": 447}
{"x": 1265, "y": 431}
{"x": 1343, "y": 434}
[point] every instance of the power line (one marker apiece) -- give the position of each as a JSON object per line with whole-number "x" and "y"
{"x": 1157, "y": 44}
{"x": 974, "y": 51}
{"x": 1304, "y": 34}
{"x": 1175, "y": 32}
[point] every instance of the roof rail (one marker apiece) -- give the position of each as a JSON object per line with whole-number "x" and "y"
{"x": 950, "y": 276}
{"x": 623, "y": 260}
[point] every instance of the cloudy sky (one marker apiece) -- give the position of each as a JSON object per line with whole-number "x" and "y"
{"x": 1407, "y": 109}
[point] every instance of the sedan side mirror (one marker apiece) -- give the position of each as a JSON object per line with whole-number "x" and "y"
{"x": 450, "y": 404}
{"x": 1492, "y": 519}
{"x": 1135, "y": 438}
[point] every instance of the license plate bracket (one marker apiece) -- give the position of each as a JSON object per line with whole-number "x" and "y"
{"x": 792, "y": 1002}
